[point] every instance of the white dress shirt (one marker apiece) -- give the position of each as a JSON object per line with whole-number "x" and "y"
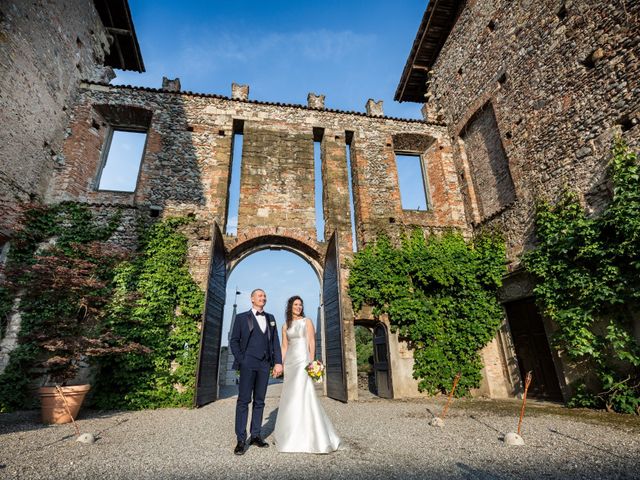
{"x": 262, "y": 320}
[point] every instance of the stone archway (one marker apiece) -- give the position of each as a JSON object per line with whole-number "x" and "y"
{"x": 275, "y": 242}
{"x": 223, "y": 261}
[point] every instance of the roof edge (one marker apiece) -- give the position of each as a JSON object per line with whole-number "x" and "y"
{"x": 433, "y": 9}
{"x": 89, "y": 83}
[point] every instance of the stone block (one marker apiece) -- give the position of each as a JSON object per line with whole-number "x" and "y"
{"x": 239, "y": 92}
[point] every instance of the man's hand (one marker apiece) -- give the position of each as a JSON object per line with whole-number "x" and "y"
{"x": 277, "y": 370}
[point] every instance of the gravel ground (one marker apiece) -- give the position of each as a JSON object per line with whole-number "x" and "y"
{"x": 381, "y": 439}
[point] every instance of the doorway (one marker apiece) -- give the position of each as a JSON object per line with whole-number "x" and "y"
{"x": 372, "y": 350}
{"x": 533, "y": 352}
{"x": 222, "y": 264}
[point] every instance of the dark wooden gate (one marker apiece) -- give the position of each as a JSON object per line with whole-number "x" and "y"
{"x": 381, "y": 362}
{"x": 211, "y": 334}
{"x": 532, "y": 348}
{"x": 331, "y": 299}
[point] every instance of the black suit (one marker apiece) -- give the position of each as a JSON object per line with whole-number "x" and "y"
{"x": 254, "y": 353}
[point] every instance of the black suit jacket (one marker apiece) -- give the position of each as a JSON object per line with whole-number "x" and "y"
{"x": 241, "y": 332}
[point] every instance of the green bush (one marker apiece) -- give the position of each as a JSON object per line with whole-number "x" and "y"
{"x": 364, "y": 348}
{"x": 149, "y": 300}
{"x": 588, "y": 282}
{"x": 440, "y": 295}
{"x": 158, "y": 305}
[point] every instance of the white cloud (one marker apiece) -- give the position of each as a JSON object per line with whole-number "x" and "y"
{"x": 204, "y": 52}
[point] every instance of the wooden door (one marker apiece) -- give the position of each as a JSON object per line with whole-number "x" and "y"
{"x": 332, "y": 304}
{"x": 381, "y": 362}
{"x": 211, "y": 334}
{"x": 532, "y": 348}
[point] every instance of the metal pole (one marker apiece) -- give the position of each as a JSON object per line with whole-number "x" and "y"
{"x": 527, "y": 382}
{"x": 453, "y": 389}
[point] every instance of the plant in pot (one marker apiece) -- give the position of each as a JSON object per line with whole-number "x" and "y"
{"x": 64, "y": 292}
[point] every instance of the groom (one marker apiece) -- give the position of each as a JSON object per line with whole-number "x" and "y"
{"x": 255, "y": 346}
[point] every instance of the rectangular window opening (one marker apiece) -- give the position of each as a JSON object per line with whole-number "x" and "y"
{"x": 349, "y": 137}
{"x": 124, "y": 152}
{"x": 412, "y": 179}
{"x": 317, "y": 176}
{"x": 233, "y": 193}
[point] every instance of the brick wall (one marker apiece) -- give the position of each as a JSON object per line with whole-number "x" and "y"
{"x": 488, "y": 163}
{"x": 562, "y": 79}
{"x": 45, "y": 49}
{"x": 186, "y": 164}
{"x": 186, "y": 168}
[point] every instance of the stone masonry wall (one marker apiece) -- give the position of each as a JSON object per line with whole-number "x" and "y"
{"x": 45, "y": 49}
{"x": 186, "y": 163}
{"x": 491, "y": 176}
{"x": 562, "y": 79}
{"x": 277, "y": 180}
{"x": 186, "y": 168}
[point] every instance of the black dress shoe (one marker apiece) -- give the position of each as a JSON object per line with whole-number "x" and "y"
{"x": 258, "y": 442}
{"x": 239, "y": 450}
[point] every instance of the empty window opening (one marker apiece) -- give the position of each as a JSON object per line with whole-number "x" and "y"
{"x": 317, "y": 175}
{"x": 124, "y": 151}
{"x": 562, "y": 13}
{"x": 411, "y": 177}
{"x": 349, "y": 137}
{"x": 233, "y": 194}
{"x": 588, "y": 62}
{"x": 627, "y": 123}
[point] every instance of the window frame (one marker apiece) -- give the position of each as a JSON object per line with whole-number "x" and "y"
{"x": 104, "y": 156}
{"x": 425, "y": 179}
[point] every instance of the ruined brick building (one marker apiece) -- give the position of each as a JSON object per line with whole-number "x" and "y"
{"x": 532, "y": 94}
{"x": 518, "y": 100}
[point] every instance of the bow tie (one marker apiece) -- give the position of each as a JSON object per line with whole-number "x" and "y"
{"x": 259, "y": 313}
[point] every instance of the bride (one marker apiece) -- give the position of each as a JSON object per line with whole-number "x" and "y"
{"x": 301, "y": 425}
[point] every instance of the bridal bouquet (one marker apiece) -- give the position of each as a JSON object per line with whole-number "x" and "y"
{"x": 316, "y": 370}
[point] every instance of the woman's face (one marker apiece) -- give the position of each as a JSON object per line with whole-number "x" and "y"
{"x": 296, "y": 308}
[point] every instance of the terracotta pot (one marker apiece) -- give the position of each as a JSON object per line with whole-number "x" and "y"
{"x": 53, "y": 408}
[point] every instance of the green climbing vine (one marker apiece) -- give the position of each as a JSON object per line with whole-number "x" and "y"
{"x": 61, "y": 287}
{"x": 156, "y": 304}
{"x": 440, "y": 295}
{"x": 145, "y": 304}
{"x": 588, "y": 282}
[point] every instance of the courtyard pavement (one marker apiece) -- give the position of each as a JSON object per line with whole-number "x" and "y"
{"x": 381, "y": 439}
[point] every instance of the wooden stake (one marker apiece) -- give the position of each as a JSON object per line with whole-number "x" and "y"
{"x": 527, "y": 382}
{"x": 66, "y": 406}
{"x": 453, "y": 389}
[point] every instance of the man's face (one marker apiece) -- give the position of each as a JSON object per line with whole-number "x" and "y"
{"x": 258, "y": 299}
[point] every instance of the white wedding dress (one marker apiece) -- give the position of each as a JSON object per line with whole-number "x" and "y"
{"x": 301, "y": 424}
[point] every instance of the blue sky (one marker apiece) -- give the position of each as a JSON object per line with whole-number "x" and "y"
{"x": 347, "y": 50}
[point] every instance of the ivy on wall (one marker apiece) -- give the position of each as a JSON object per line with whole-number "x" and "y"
{"x": 439, "y": 294}
{"x": 53, "y": 281}
{"x": 158, "y": 305}
{"x": 588, "y": 283}
{"x": 148, "y": 299}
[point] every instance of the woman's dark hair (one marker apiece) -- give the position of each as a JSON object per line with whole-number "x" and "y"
{"x": 289, "y": 311}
